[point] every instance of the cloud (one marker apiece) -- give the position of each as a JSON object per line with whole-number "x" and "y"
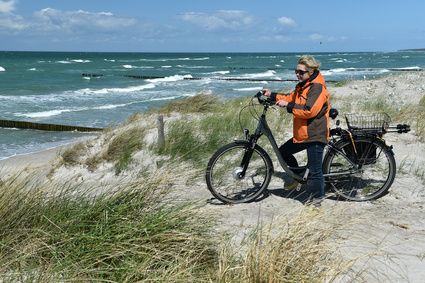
{"x": 7, "y": 6}
{"x": 316, "y": 37}
{"x": 287, "y": 22}
{"x": 220, "y": 20}
{"x": 12, "y": 23}
{"x": 49, "y": 19}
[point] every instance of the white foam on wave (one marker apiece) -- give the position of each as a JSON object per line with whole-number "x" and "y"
{"x": 116, "y": 89}
{"x": 80, "y": 61}
{"x": 249, "y": 88}
{"x": 63, "y": 62}
{"x": 56, "y": 112}
{"x": 43, "y": 114}
{"x": 339, "y": 60}
{"x": 412, "y": 68}
{"x": 220, "y": 72}
{"x": 269, "y": 73}
{"x": 354, "y": 71}
{"x": 86, "y": 93}
{"x": 166, "y": 66}
{"x": 2, "y": 69}
{"x": 32, "y": 69}
{"x": 127, "y": 66}
{"x": 109, "y": 60}
{"x": 167, "y": 59}
{"x": 174, "y": 78}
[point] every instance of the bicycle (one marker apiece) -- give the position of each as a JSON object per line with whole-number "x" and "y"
{"x": 358, "y": 165}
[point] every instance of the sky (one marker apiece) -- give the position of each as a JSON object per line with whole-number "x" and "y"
{"x": 211, "y": 25}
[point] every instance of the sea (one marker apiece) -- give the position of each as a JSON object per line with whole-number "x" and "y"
{"x": 104, "y": 89}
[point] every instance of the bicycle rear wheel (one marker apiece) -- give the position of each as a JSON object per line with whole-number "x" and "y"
{"x": 224, "y": 172}
{"x": 369, "y": 178}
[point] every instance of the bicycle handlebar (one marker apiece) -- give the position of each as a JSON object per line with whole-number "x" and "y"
{"x": 264, "y": 100}
{"x": 400, "y": 128}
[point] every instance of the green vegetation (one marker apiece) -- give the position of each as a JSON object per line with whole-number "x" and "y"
{"x": 197, "y": 139}
{"x": 201, "y": 103}
{"x": 71, "y": 156}
{"x": 131, "y": 235}
{"x": 122, "y": 146}
{"x": 420, "y": 119}
{"x": 119, "y": 150}
{"x": 115, "y": 237}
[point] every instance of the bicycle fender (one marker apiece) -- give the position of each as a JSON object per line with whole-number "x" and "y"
{"x": 384, "y": 144}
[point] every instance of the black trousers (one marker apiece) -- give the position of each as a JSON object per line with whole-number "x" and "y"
{"x": 315, "y": 182}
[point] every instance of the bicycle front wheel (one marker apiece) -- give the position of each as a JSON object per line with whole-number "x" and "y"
{"x": 225, "y": 174}
{"x": 360, "y": 179}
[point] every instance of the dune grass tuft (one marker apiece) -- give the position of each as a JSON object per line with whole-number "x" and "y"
{"x": 294, "y": 250}
{"x": 200, "y": 103}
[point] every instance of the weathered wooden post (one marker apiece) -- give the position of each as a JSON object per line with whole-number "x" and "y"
{"x": 161, "y": 135}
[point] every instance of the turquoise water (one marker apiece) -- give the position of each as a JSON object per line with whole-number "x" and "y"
{"x": 48, "y": 87}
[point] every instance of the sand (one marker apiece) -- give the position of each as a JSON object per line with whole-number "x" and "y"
{"x": 386, "y": 237}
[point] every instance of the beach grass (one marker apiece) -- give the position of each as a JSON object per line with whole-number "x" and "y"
{"x": 50, "y": 234}
{"x": 196, "y": 139}
{"x": 123, "y": 146}
{"x": 299, "y": 249}
{"x": 420, "y": 119}
{"x": 124, "y": 236}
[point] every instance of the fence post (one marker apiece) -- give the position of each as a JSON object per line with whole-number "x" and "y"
{"x": 161, "y": 136}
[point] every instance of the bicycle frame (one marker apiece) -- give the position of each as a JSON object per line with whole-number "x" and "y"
{"x": 264, "y": 129}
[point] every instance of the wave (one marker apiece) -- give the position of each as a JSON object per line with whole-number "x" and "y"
{"x": 174, "y": 78}
{"x": 413, "y": 68}
{"x": 116, "y": 89}
{"x": 74, "y": 94}
{"x": 80, "y": 61}
{"x": 194, "y": 67}
{"x": 220, "y": 73}
{"x": 339, "y": 60}
{"x": 166, "y": 59}
{"x": 356, "y": 71}
{"x": 56, "y": 112}
{"x": 72, "y": 61}
{"x": 127, "y": 66}
{"x": 32, "y": 69}
{"x": 269, "y": 73}
{"x": 249, "y": 88}
{"x": 2, "y": 69}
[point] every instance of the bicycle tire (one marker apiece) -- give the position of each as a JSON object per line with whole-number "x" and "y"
{"x": 222, "y": 174}
{"x": 371, "y": 181}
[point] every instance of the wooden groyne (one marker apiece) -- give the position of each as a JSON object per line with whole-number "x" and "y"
{"x": 45, "y": 127}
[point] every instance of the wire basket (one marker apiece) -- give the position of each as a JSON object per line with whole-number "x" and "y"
{"x": 373, "y": 121}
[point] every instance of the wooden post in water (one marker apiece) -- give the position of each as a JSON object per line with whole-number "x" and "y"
{"x": 161, "y": 135}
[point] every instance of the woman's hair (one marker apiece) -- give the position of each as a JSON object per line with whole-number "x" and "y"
{"x": 309, "y": 62}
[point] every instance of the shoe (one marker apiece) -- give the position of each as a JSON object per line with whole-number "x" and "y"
{"x": 291, "y": 185}
{"x": 314, "y": 202}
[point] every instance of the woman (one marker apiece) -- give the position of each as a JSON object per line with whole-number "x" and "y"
{"x": 309, "y": 105}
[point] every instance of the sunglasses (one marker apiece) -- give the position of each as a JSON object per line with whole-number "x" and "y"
{"x": 300, "y": 72}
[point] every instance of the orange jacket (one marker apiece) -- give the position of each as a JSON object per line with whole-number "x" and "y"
{"x": 310, "y": 105}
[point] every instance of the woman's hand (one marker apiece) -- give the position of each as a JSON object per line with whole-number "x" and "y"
{"x": 282, "y": 103}
{"x": 267, "y": 92}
